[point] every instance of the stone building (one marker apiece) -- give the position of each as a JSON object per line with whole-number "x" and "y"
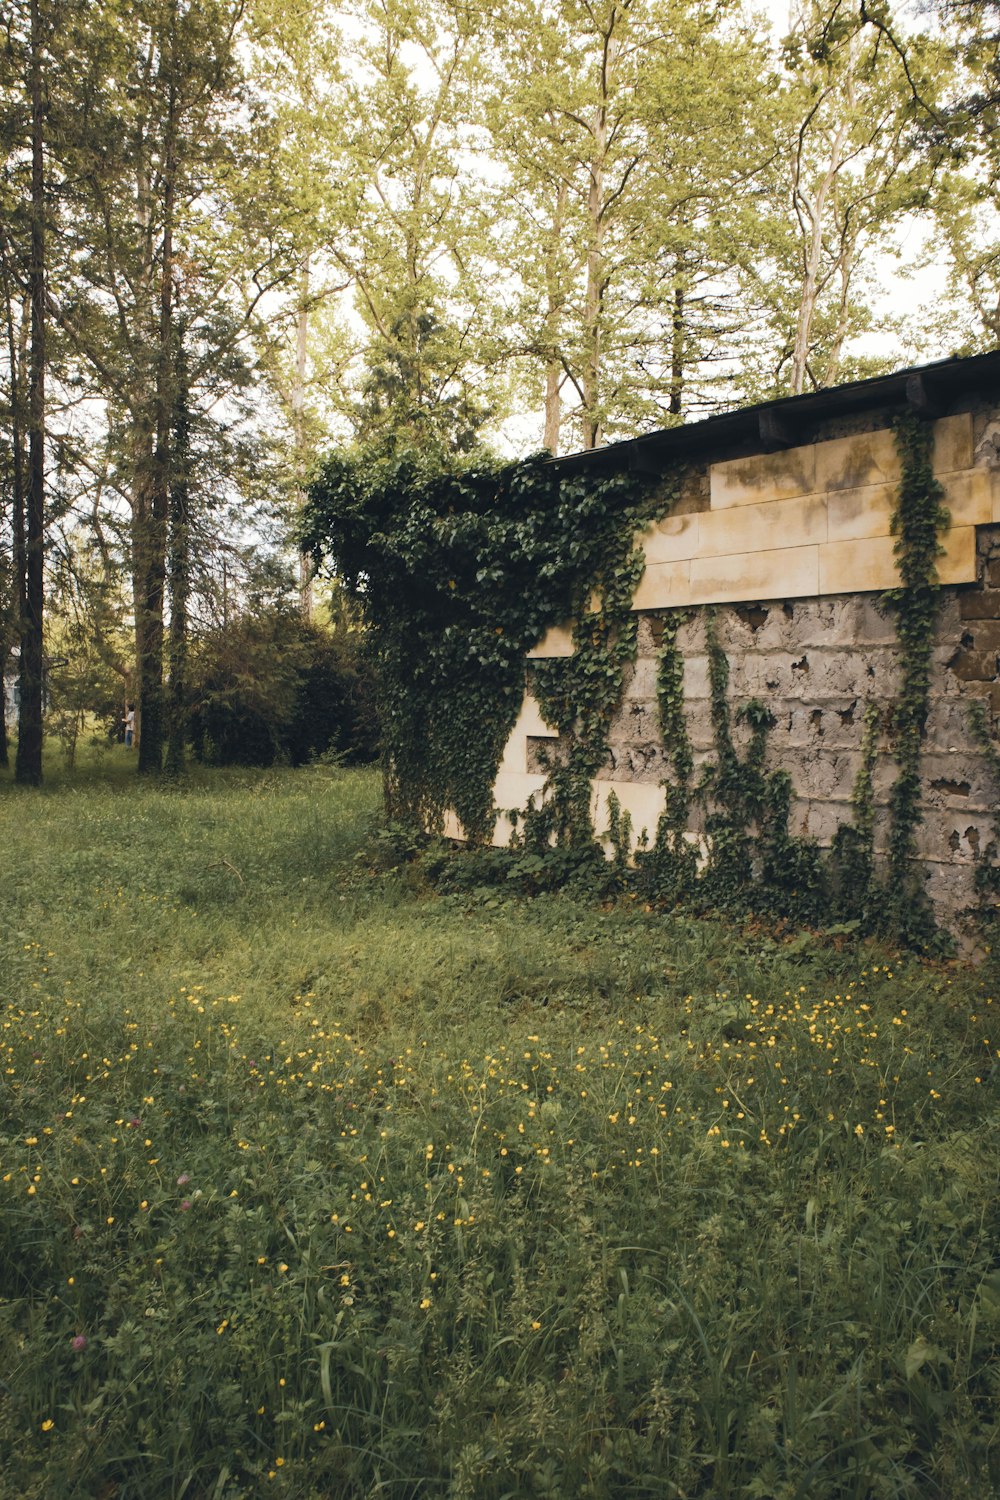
{"x": 784, "y": 527}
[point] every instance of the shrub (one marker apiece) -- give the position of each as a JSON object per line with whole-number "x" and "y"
{"x": 273, "y": 687}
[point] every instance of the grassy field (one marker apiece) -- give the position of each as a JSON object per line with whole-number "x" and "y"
{"x": 316, "y": 1183}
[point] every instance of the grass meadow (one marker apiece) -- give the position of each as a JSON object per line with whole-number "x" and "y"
{"x": 317, "y": 1183}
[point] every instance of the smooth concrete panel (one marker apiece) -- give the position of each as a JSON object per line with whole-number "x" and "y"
{"x": 529, "y": 722}
{"x": 452, "y": 828}
{"x": 953, "y": 443}
{"x": 780, "y": 573}
{"x": 870, "y": 564}
{"x": 958, "y": 565}
{"x": 513, "y": 788}
{"x": 642, "y": 800}
{"x": 663, "y": 586}
{"x": 557, "y": 641}
{"x": 795, "y": 522}
{"x": 857, "y": 513}
{"x": 852, "y": 463}
{"x": 968, "y": 495}
{"x": 764, "y": 476}
{"x": 673, "y": 539}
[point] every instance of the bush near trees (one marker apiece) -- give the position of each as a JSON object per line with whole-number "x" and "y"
{"x": 272, "y": 687}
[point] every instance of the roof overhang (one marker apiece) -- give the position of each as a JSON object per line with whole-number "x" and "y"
{"x": 933, "y": 390}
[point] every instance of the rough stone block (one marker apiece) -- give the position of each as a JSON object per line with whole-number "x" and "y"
{"x": 765, "y": 476}
{"x": 877, "y": 625}
{"x": 973, "y": 666}
{"x": 871, "y": 675}
{"x": 673, "y": 539}
{"x": 826, "y": 623}
{"x": 979, "y": 604}
{"x": 951, "y": 836}
{"x": 949, "y": 621}
{"x": 857, "y": 513}
{"x": 643, "y": 760}
{"x": 951, "y": 890}
{"x": 557, "y": 641}
{"x": 819, "y": 819}
{"x": 947, "y": 728}
{"x": 858, "y": 461}
{"x": 643, "y": 682}
{"x": 649, "y": 634}
{"x": 696, "y": 677}
{"x": 829, "y": 775}
{"x": 985, "y": 635}
{"x": 780, "y": 573}
{"x": 663, "y": 586}
{"x": 953, "y": 443}
{"x": 958, "y": 778}
{"x": 835, "y": 723}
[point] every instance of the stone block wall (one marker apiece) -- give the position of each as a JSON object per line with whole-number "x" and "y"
{"x": 817, "y": 664}
{"x": 792, "y": 551}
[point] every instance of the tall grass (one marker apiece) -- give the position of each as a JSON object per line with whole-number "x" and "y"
{"x": 315, "y": 1183}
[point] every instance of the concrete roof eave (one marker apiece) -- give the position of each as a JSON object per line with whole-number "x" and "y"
{"x": 933, "y": 390}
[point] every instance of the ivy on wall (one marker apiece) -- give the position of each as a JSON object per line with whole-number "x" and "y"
{"x": 917, "y": 524}
{"x": 460, "y": 573}
{"x": 752, "y": 862}
{"x": 578, "y": 696}
{"x": 854, "y": 891}
{"x": 987, "y": 868}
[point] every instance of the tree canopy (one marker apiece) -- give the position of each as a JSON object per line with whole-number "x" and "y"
{"x": 236, "y": 235}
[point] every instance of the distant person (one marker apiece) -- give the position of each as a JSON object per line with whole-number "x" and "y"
{"x": 129, "y": 726}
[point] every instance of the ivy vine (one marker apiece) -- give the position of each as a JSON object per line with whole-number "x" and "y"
{"x": 852, "y": 852}
{"x": 668, "y": 871}
{"x": 987, "y": 869}
{"x": 917, "y": 523}
{"x": 460, "y": 572}
{"x": 578, "y": 696}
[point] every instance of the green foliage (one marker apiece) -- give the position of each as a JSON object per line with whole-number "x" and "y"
{"x": 917, "y": 523}
{"x": 578, "y": 695}
{"x": 987, "y": 869}
{"x": 852, "y": 854}
{"x": 467, "y": 1196}
{"x": 752, "y": 862}
{"x": 269, "y": 686}
{"x": 459, "y": 574}
{"x": 668, "y": 871}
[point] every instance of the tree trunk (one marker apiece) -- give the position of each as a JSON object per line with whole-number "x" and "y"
{"x": 594, "y": 295}
{"x": 555, "y": 298}
{"x": 12, "y": 605}
{"x": 180, "y": 575}
{"x": 596, "y": 283}
{"x": 814, "y": 212}
{"x": 4, "y": 752}
{"x": 28, "y": 764}
{"x": 298, "y": 429}
{"x": 677, "y": 350}
{"x": 152, "y": 577}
